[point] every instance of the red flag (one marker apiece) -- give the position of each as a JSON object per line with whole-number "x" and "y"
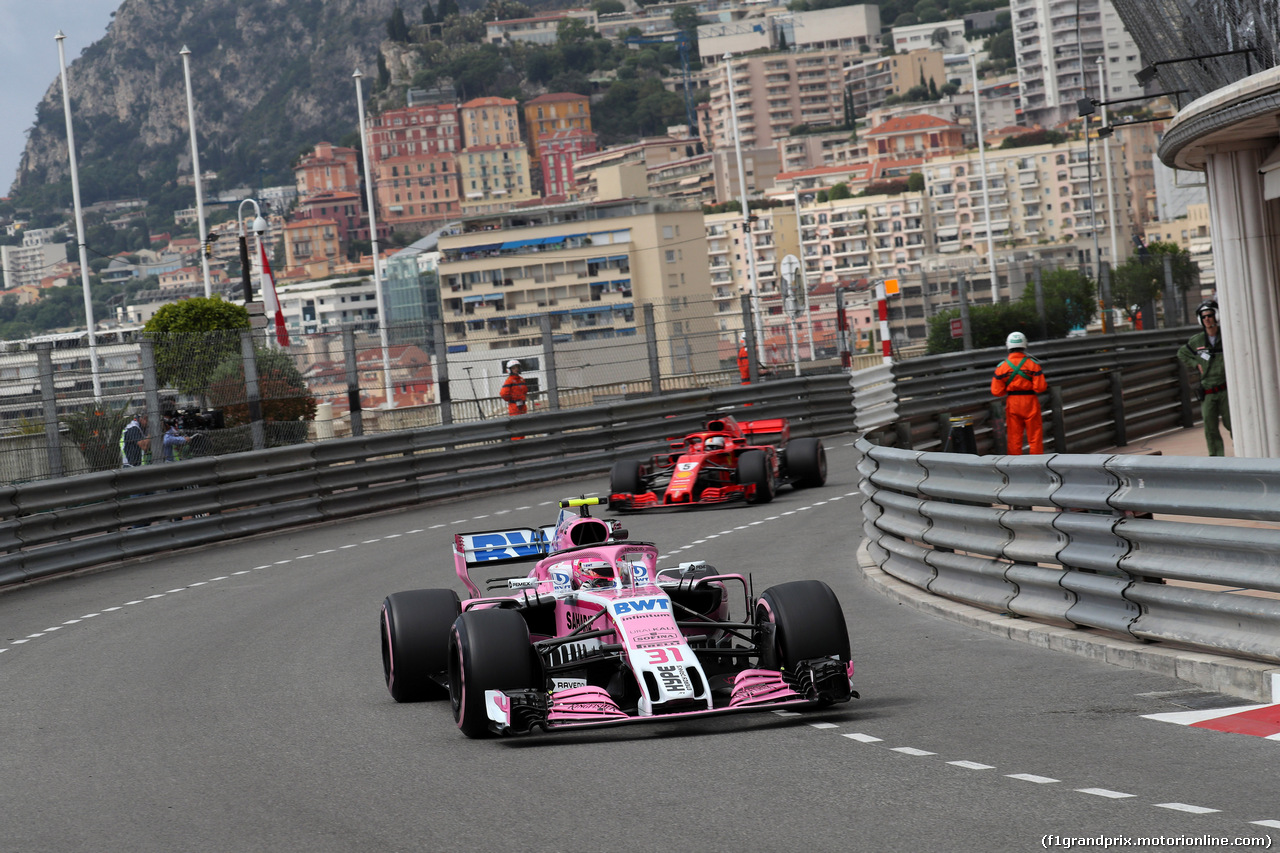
{"x": 269, "y": 297}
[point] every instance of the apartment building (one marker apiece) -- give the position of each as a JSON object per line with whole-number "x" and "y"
{"x": 852, "y": 29}
{"x": 652, "y": 152}
{"x": 561, "y": 152}
{"x": 871, "y": 80}
{"x": 947, "y": 36}
{"x": 414, "y": 154}
{"x": 1057, "y": 43}
{"x": 313, "y": 245}
{"x": 312, "y": 307}
{"x": 541, "y": 29}
{"x": 328, "y": 167}
{"x": 494, "y": 177}
{"x": 774, "y": 92}
{"x": 490, "y": 121}
{"x": 32, "y": 261}
{"x": 547, "y": 115}
{"x": 923, "y": 136}
{"x": 589, "y": 265}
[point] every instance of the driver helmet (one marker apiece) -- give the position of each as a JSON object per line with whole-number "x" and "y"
{"x": 714, "y": 443}
{"x": 593, "y": 574}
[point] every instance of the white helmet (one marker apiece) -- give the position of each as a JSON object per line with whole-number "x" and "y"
{"x": 1016, "y": 340}
{"x": 715, "y": 442}
{"x": 515, "y": 362}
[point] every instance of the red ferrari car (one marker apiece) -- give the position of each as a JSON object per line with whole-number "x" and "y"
{"x": 726, "y": 461}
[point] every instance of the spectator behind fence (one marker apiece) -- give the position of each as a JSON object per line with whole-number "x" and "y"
{"x": 135, "y": 446}
{"x": 1020, "y": 380}
{"x": 515, "y": 390}
{"x": 175, "y": 443}
{"x": 1204, "y": 360}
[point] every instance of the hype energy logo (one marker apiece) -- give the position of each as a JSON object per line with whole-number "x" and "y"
{"x": 638, "y": 606}
{"x": 503, "y": 545}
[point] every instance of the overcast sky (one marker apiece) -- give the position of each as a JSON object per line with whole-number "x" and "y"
{"x": 29, "y": 60}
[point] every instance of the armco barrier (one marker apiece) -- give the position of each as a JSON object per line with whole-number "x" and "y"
{"x": 58, "y": 526}
{"x": 1071, "y": 540}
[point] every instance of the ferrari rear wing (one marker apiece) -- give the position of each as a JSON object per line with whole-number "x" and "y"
{"x": 773, "y": 430}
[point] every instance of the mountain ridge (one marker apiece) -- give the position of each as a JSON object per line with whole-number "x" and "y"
{"x": 269, "y": 77}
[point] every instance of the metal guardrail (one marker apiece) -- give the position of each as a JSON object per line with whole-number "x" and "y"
{"x": 1104, "y": 390}
{"x": 55, "y": 526}
{"x": 1072, "y": 540}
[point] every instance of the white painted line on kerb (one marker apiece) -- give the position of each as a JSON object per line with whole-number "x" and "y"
{"x": 1104, "y": 792}
{"x": 350, "y": 546}
{"x": 911, "y": 750}
{"x": 283, "y": 562}
{"x": 157, "y": 595}
{"x": 1274, "y": 824}
{"x": 1183, "y": 807}
{"x": 88, "y": 615}
{"x": 183, "y": 588}
{"x": 971, "y": 765}
{"x": 1031, "y": 777}
{"x": 824, "y": 725}
{"x": 861, "y": 738}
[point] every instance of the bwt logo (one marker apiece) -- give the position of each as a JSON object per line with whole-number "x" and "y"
{"x": 641, "y": 605}
{"x": 561, "y": 580}
{"x": 505, "y": 546}
{"x": 640, "y": 573}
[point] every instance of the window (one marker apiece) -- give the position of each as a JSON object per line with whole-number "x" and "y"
{"x": 671, "y": 256}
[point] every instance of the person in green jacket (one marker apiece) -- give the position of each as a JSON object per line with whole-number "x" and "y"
{"x": 1203, "y": 357}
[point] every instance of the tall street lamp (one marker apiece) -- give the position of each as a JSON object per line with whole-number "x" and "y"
{"x": 986, "y": 191}
{"x": 748, "y": 240}
{"x": 185, "y": 53}
{"x": 75, "y": 196}
{"x": 1106, "y": 151}
{"x": 383, "y": 319}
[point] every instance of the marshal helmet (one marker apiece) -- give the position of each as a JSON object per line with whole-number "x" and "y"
{"x": 1016, "y": 340}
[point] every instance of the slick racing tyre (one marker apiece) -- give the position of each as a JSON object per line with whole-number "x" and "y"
{"x": 754, "y": 469}
{"x": 806, "y": 463}
{"x": 415, "y": 641}
{"x": 624, "y": 478}
{"x": 807, "y": 623}
{"x": 488, "y": 650}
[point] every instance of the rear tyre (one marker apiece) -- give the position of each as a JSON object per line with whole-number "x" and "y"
{"x": 624, "y": 478}
{"x": 754, "y": 469}
{"x": 807, "y": 463}
{"x": 807, "y": 623}
{"x": 415, "y": 641}
{"x": 488, "y": 650}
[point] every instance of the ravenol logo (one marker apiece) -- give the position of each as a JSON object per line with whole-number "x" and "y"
{"x": 641, "y": 605}
{"x": 505, "y": 545}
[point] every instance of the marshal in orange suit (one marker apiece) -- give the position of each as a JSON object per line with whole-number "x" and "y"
{"x": 1020, "y": 379}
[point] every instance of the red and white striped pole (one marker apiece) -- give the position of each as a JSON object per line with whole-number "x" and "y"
{"x": 882, "y": 306}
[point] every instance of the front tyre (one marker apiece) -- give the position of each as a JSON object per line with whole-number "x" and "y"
{"x": 807, "y": 623}
{"x": 754, "y": 469}
{"x": 415, "y": 641}
{"x": 488, "y": 650}
{"x": 807, "y": 463}
{"x": 625, "y": 479}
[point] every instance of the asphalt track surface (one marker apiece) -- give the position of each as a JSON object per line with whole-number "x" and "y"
{"x": 231, "y": 699}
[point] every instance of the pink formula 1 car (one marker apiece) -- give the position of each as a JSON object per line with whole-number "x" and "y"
{"x": 597, "y": 635}
{"x": 726, "y": 461}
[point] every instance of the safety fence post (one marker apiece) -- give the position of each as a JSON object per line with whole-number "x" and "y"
{"x": 53, "y": 442}
{"x": 252, "y": 396}
{"x": 353, "y": 380}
